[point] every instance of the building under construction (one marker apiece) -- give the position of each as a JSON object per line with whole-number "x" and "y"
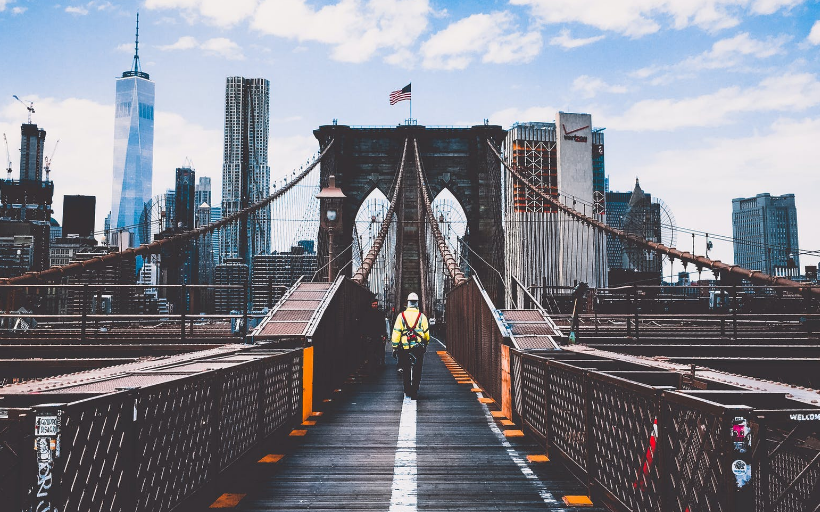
{"x": 565, "y": 160}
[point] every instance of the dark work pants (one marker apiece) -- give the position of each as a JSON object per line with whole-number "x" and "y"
{"x": 412, "y": 370}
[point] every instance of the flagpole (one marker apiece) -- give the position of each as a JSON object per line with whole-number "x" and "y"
{"x": 411, "y": 109}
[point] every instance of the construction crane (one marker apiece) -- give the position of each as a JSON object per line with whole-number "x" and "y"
{"x": 29, "y": 107}
{"x": 49, "y": 159}
{"x": 8, "y": 157}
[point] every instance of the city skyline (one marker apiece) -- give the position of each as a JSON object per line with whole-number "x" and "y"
{"x": 704, "y": 105}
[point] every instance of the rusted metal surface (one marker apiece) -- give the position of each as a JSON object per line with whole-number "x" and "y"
{"x": 673, "y": 253}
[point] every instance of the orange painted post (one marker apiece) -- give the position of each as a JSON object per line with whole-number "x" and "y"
{"x": 506, "y": 384}
{"x": 307, "y": 382}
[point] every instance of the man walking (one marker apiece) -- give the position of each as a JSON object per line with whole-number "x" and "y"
{"x": 411, "y": 334}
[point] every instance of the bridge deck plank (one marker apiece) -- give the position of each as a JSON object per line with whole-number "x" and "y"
{"x": 346, "y": 461}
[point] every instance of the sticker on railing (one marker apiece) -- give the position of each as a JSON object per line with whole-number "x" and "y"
{"x": 741, "y": 435}
{"x": 47, "y": 446}
{"x": 742, "y": 471}
{"x": 45, "y": 426}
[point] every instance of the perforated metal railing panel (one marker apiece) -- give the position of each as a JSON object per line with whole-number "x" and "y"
{"x": 16, "y": 439}
{"x": 175, "y": 442}
{"x": 534, "y": 394}
{"x": 622, "y": 417}
{"x": 790, "y": 472}
{"x": 694, "y": 476}
{"x": 97, "y": 461}
{"x": 567, "y": 410}
{"x": 164, "y": 436}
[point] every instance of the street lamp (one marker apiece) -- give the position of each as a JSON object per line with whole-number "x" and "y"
{"x": 331, "y": 203}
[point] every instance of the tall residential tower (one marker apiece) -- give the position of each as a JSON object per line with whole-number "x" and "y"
{"x": 245, "y": 171}
{"x": 133, "y": 153}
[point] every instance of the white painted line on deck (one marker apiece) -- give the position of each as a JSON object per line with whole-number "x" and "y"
{"x": 439, "y": 341}
{"x": 519, "y": 461}
{"x": 404, "y": 496}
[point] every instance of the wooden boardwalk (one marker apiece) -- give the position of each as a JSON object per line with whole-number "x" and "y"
{"x": 371, "y": 449}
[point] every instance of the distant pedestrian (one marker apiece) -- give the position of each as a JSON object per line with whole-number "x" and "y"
{"x": 375, "y": 336}
{"x": 411, "y": 334}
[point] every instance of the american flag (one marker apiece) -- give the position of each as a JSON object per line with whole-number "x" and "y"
{"x": 400, "y": 95}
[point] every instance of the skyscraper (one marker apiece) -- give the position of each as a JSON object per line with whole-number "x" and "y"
{"x": 245, "y": 171}
{"x": 764, "y": 228}
{"x": 32, "y": 140}
{"x": 133, "y": 152}
{"x": 184, "y": 205}
{"x": 203, "y": 191}
{"x": 78, "y": 215}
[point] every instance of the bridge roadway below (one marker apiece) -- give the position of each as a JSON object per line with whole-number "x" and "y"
{"x": 459, "y": 458}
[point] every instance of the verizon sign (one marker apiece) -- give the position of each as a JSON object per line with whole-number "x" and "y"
{"x": 570, "y": 134}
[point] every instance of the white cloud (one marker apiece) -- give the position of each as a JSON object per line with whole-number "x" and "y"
{"x": 76, "y": 9}
{"x": 357, "y": 29}
{"x": 729, "y": 53}
{"x": 18, "y": 10}
{"x": 488, "y": 35}
{"x": 220, "y": 46}
{"x": 183, "y": 43}
{"x": 789, "y": 92}
{"x": 215, "y": 12}
{"x": 780, "y": 160}
{"x": 636, "y": 18}
{"x": 590, "y": 86}
{"x": 223, "y": 47}
{"x": 3, "y": 4}
{"x": 567, "y": 42}
{"x": 125, "y": 48}
{"x": 83, "y": 163}
{"x": 508, "y": 116}
{"x": 814, "y": 35}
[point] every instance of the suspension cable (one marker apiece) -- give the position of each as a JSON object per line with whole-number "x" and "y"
{"x": 155, "y": 247}
{"x": 687, "y": 257}
{"x": 452, "y": 265}
{"x": 367, "y": 263}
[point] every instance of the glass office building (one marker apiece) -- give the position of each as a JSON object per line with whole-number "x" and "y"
{"x": 133, "y": 155}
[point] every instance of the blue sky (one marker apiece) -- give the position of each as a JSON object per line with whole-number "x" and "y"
{"x": 703, "y": 100}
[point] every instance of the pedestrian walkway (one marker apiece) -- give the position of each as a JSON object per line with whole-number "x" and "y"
{"x": 372, "y": 449}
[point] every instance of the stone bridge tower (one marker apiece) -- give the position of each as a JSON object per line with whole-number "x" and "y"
{"x": 458, "y": 159}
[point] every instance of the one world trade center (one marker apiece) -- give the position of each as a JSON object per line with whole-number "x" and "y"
{"x": 133, "y": 156}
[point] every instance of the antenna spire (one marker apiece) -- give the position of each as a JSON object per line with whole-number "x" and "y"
{"x": 136, "y": 65}
{"x": 136, "y": 69}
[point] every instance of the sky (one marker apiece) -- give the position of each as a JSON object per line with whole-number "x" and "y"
{"x": 702, "y": 100}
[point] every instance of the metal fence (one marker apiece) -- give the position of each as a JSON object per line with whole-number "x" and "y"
{"x": 337, "y": 336}
{"x": 474, "y": 335}
{"x": 643, "y": 444}
{"x": 148, "y": 448}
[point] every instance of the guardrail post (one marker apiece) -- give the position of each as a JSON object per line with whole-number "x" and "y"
{"x": 734, "y": 310}
{"x": 738, "y": 459}
{"x": 245, "y": 310}
{"x": 183, "y": 299}
{"x": 635, "y": 309}
{"x": 84, "y": 311}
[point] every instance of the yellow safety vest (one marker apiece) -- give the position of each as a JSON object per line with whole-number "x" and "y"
{"x": 400, "y": 329}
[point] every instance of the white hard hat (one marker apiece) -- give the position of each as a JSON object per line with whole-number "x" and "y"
{"x": 413, "y": 296}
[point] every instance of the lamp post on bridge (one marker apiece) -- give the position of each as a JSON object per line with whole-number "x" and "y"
{"x": 331, "y": 203}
